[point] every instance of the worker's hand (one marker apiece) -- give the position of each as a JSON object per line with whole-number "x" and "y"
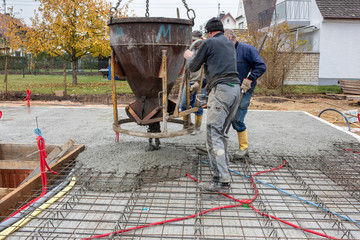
{"x": 188, "y": 54}
{"x": 246, "y": 85}
{"x": 194, "y": 88}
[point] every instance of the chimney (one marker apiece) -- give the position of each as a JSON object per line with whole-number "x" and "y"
{"x": 222, "y": 14}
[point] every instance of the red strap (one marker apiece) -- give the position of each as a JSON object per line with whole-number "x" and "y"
{"x": 41, "y": 144}
{"x": 28, "y": 92}
{"x": 0, "y": 114}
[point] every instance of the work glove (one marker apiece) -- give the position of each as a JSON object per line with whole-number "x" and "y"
{"x": 194, "y": 88}
{"x": 246, "y": 85}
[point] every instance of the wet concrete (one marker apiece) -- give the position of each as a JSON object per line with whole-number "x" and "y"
{"x": 270, "y": 132}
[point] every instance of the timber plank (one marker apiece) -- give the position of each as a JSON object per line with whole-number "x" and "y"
{"x": 350, "y": 86}
{"x": 20, "y": 150}
{"x": 5, "y": 191}
{"x": 20, "y": 194}
{"x": 18, "y": 164}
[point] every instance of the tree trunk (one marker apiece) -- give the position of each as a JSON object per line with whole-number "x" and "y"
{"x": 65, "y": 90}
{"x": 6, "y": 61}
{"x": 6, "y": 76}
{"x": 74, "y": 72}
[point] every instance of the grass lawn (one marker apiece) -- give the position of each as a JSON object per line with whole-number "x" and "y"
{"x": 45, "y": 84}
{"x": 298, "y": 89}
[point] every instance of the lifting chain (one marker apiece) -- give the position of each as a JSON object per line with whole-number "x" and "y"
{"x": 147, "y": 9}
{"x": 185, "y": 4}
{"x": 114, "y": 10}
{"x": 188, "y": 11}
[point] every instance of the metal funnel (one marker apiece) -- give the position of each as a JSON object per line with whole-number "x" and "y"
{"x": 138, "y": 44}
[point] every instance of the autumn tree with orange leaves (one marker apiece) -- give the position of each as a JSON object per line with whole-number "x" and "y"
{"x": 70, "y": 29}
{"x": 12, "y": 38}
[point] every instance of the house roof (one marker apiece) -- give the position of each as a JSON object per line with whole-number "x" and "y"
{"x": 339, "y": 9}
{"x": 227, "y": 15}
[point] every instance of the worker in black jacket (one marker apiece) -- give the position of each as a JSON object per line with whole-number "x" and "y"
{"x": 217, "y": 53}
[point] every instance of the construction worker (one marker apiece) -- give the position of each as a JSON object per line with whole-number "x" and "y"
{"x": 194, "y": 80}
{"x": 248, "y": 60}
{"x": 218, "y": 55}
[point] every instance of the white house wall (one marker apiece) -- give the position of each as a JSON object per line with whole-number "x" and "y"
{"x": 315, "y": 16}
{"x": 240, "y": 18}
{"x": 312, "y": 32}
{"x": 339, "y": 51}
{"x": 229, "y": 23}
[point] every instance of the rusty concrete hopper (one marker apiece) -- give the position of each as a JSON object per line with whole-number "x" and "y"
{"x": 149, "y": 53}
{"x": 138, "y": 44}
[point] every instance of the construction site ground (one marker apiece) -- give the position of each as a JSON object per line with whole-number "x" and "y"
{"x": 121, "y": 186}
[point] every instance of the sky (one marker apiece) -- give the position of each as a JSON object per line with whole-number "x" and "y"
{"x": 204, "y": 9}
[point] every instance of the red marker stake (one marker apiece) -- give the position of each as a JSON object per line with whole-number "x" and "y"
{"x": 28, "y": 91}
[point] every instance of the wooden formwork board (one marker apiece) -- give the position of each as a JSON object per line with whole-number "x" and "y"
{"x": 16, "y": 153}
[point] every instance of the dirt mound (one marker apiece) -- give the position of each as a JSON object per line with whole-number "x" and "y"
{"x": 18, "y": 96}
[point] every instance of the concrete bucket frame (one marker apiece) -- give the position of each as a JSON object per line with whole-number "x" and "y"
{"x": 149, "y": 53}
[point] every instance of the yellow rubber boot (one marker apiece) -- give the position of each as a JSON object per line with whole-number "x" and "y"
{"x": 198, "y": 120}
{"x": 185, "y": 118}
{"x": 243, "y": 145}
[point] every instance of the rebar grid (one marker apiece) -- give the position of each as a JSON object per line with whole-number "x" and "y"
{"x": 98, "y": 204}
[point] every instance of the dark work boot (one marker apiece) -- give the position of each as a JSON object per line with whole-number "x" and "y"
{"x": 214, "y": 186}
{"x": 202, "y": 149}
{"x": 241, "y": 154}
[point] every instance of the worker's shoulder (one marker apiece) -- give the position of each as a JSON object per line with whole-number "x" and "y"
{"x": 217, "y": 40}
{"x": 246, "y": 46}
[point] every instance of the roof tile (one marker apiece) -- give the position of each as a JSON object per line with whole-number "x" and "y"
{"x": 344, "y": 9}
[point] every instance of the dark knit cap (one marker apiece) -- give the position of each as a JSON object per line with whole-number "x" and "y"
{"x": 214, "y": 24}
{"x": 196, "y": 35}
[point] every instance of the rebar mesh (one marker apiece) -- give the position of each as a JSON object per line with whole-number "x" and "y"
{"x": 319, "y": 193}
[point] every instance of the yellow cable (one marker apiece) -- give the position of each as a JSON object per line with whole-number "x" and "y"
{"x": 36, "y": 212}
{"x": 356, "y": 124}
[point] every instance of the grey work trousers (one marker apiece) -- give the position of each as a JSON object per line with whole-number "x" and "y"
{"x": 222, "y": 104}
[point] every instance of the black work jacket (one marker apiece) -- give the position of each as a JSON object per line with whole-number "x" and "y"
{"x": 219, "y": 58}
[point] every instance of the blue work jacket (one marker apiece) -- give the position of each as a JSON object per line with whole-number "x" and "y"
{"x": 248, "y": 59}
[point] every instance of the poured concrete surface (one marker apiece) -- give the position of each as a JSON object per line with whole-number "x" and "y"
{"x": 269, "y": 132}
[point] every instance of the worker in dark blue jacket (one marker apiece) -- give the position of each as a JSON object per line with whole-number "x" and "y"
{"x": 248, "y": 60}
